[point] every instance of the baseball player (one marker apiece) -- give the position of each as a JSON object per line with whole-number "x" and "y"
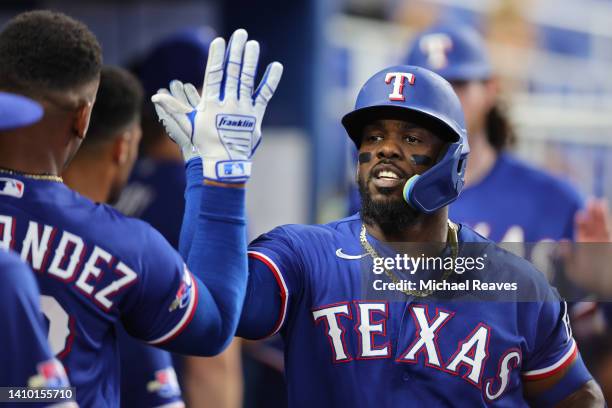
{"x": 26, "y": 359}
{"x": 96, "y": 267}
{"x": 346, "y": 347}
{"x": 107, "y": 154}
{"x": 505, "y": 199}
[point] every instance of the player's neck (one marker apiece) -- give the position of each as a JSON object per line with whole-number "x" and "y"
{"x": 32, "y": 152}
{"x": 90, "y": 178}
{"x": 481, "y": 160}
{"x": 428, "y": 228}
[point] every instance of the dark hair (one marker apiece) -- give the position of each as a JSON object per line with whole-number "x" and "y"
{"x": 500, "y": 131}
{"x": 117, "y": 104}
{"x": 47, "y": 51}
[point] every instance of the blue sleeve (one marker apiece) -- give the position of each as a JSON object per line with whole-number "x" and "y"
{"x": 552, "y": 346}
{"x": 147, "y": 374}
{"x": 218, "y": 259}
{"x": 196, "y": 313}
{"x": 26, "y": 359}
{"x": 214, "y": 240}
{"x": 165, "y": 296}
{"x": 193, "y": 198}
{"x": 576, "y": 376}
{"x": 274, "y": 284}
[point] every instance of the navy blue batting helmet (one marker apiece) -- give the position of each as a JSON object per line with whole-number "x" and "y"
{"x": 418, "y": 95}
{"x": 455, "y": 52}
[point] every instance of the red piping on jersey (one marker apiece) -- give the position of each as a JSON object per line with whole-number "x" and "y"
{"x": 281, "y": 284}
{"x": 569, "y": 359}
{"x": 191, "y": 313}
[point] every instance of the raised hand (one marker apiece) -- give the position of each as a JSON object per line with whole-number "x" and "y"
{"x": 224, "y": 126}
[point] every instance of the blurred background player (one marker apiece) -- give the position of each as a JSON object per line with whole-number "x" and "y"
{"x": 107, "y": 156}
{"x": 27, "y": 360}
{"x": 154, "y": 194}
{"x": 504, "y": 199}
{"x": 98, "y": 266}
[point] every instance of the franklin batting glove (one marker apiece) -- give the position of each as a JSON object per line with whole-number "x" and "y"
{"x": 225, "y": 125}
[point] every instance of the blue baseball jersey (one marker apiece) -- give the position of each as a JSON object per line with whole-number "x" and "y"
{"x": 26, "y": 358}
{"x": 518, "y": 203}
{"x": 346, "y": 346}
{"x": 95, "y": 268}
{"x": 148, "y": 378}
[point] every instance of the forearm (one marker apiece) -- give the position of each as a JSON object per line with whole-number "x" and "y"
{"x": 218, "y": 254}
{"x": 215, "y": 381}
{"x": 193, "y": 199}
{"x": 588, "y": 396}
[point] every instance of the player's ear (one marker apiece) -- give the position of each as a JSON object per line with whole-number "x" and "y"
{"x": 81, "y": 119}
{"x": 121, "y": 148}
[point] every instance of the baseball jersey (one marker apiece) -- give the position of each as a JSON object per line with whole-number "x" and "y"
{"x": 95, "y": 268}
{"x": 148, "y": 378}
{"x": 518, "y": 203}
{"x": 348, "y": 347}
{"x": 26, "y": 359}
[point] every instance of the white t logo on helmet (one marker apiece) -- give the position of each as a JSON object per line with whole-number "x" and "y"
{"x": 436, "y": 46}
{"x": 399, "y": 80}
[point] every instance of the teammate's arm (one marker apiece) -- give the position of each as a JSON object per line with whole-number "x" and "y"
{"x": 224, "y": 129}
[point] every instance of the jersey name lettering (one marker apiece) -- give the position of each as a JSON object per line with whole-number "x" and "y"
{"x": 62, "y": 255}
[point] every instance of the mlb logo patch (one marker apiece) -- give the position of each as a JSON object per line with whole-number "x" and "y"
{"x": 183, "y": 295}
{"x": 11, "y": 187}
{"x": 165, "y": 383}
{"x": 51, "y": 374}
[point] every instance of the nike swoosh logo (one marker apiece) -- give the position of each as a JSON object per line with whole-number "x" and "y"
{"x": 342, "y": 255}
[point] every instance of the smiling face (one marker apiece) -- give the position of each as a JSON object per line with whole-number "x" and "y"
{"x": 398, "y": 150}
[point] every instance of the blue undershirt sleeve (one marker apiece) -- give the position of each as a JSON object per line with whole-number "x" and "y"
{"x": 218, "y": 259}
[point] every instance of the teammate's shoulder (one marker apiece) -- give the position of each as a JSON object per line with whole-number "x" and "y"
{"x": 539, "y": 180}
{"x": 107, "y": 227}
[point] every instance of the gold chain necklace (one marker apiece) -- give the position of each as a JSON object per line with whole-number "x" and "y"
{"x": 48, "y": 177}
{"x": 451, "y": 238}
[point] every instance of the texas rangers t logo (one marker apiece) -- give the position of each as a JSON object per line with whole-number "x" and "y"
{"x": 398, "y": 84}
{"x": 436, "y": 46}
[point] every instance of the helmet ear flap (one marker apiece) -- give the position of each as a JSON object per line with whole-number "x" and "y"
{"x": 440, "y": 185}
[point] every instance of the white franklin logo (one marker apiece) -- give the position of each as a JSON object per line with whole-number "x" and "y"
{"x": 342, "y": 255}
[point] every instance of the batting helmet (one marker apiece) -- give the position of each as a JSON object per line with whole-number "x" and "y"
{"x": 423, "y": 97}
{"x": 455, "y": 52}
